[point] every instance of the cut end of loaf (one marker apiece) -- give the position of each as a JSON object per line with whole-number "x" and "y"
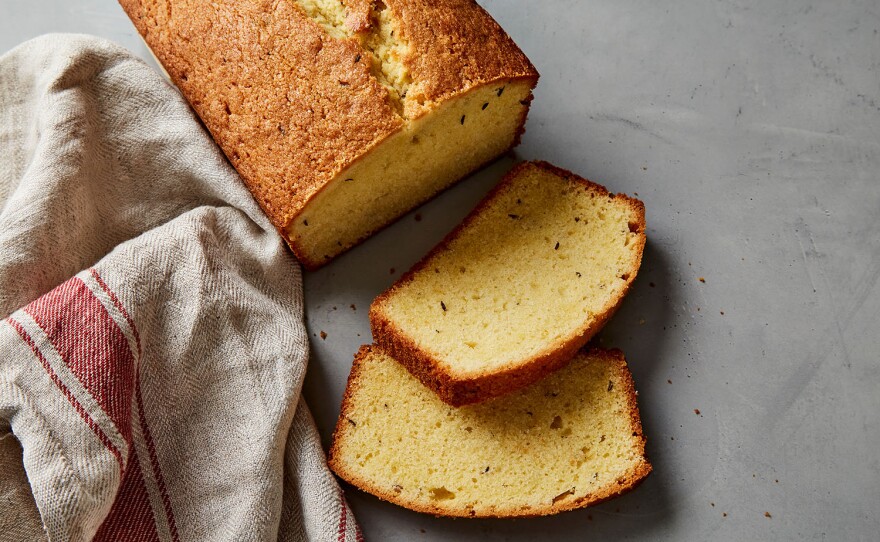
{"x": 425, "y": 156}
{"x": 509, "y": 296}
{"x": 571, "y": 440}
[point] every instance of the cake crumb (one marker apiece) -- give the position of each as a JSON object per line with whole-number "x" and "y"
{"x": 697, "y": 411}
{"x": 651, "y": 284}
{"x": 391, "y": 271}
{"x": 323, "y": 335}
{"x": 724, "y": 514}
{"x": 767, "y": 515}
{"x": 418, "y": 217}
{"x": 353, "y": 307}
{"x": 668, "y": 381}
{"x": 703, "y": 280}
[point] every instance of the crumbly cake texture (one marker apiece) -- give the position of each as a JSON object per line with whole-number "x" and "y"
{"x": 515, "y": 290}
{"x": 571, "y": 440}
{"x": 340, "y": 117}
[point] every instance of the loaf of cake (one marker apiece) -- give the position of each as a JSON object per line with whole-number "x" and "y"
{"x": 342, "y": 116}
{"x": 569, "y": 441}
{"x": 510, "y": 295}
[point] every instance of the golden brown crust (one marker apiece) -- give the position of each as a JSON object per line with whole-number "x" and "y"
{"x": 456, "y": 46}
{"x": 291, "y": 106}
{"x": 425, "y": 366}
{"x": 286, "y": 102}
{"x": 629, "y": 481}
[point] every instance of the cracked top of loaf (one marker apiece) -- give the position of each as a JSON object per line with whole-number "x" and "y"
{"x": 294, "y": 91}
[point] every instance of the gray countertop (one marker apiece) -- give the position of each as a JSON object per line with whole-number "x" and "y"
{"x": 751, "y": 130}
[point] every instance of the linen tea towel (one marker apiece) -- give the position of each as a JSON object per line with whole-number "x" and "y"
{"x": 152, "y": 347}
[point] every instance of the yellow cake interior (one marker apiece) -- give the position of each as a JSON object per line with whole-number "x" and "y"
{"x": 544, "y": 259}
{"x": 407, "y": 168}
{"x": 568, "y": 438}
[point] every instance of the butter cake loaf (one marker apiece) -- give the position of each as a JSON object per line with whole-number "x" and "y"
{"x": 510, "y": 295}
{"x": 342, "y": 116}
{"x": 569, "y": 441}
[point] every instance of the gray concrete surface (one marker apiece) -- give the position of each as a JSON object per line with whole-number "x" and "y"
{"x": 751, "y": 130}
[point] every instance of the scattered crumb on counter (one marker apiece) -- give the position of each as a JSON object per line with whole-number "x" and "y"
{"x": 355, "y": 308}
{"x": 323, "y": 335}
{"x": 767, "y": 515}
{"x": 391, "y": 271}
{"x": 697, "y": 411}
{"x": 701, "y": 279}
{"x": 418, "y": 218}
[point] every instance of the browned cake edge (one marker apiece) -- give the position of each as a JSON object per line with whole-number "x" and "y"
{"x": 629, "y": 481}
{"x": 456, "y": 391}
{"x": 311, "y": 265}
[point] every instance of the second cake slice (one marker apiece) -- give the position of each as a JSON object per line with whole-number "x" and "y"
{"x": 510, "y": 295}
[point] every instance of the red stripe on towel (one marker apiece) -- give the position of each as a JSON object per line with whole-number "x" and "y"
{"x": 91, "y": 345}
{"x": 145, "y": 428}
{"x": 340, "y": 533}
{"x": 131, "y": 516}
{"x": 105, "y": 440}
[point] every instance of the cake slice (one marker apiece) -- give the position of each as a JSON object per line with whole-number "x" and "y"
{"x": 569, "y": 441}
{"x": 512, "y": 293}
{"x": 342, "y": 116}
